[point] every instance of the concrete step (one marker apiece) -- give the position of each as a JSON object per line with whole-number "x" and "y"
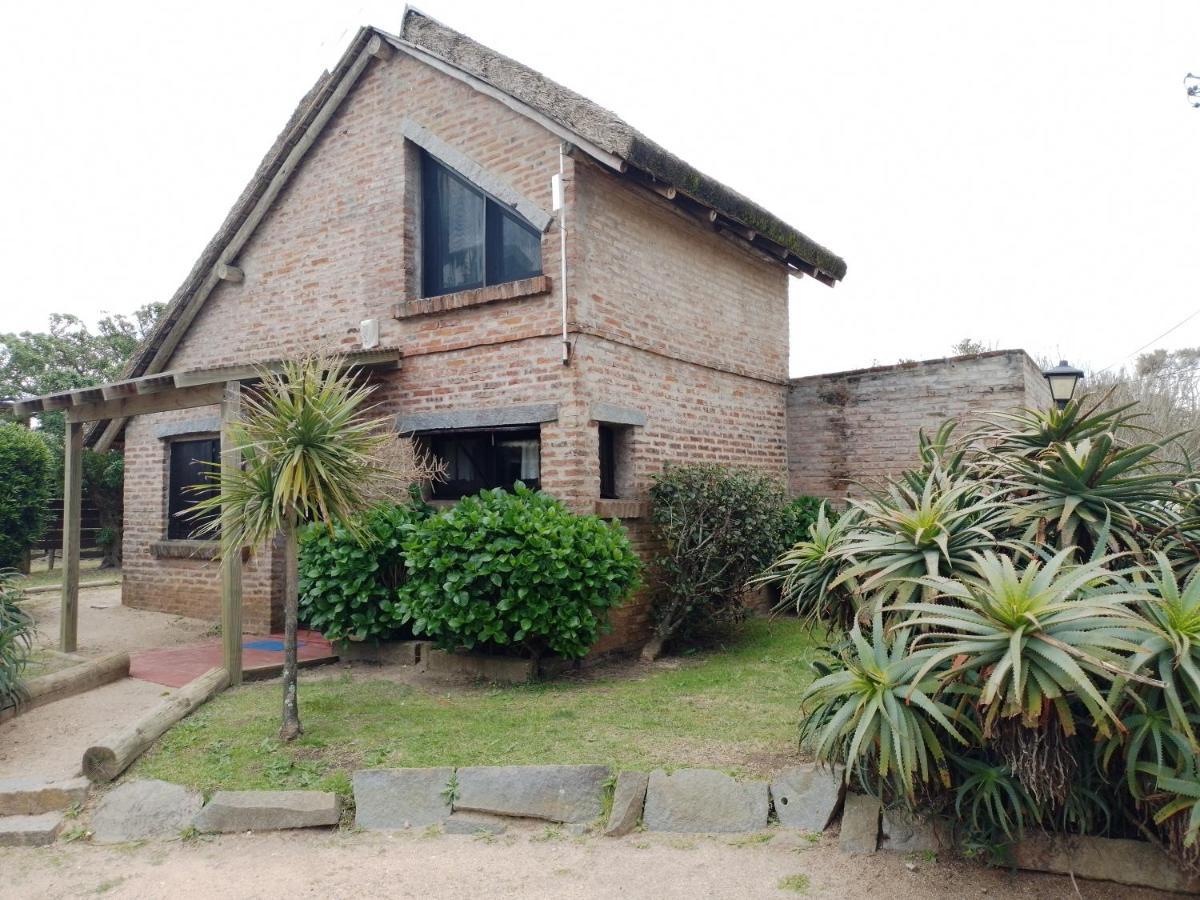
{"x": 30, "y": 831}
{"x": 35, "y": 795}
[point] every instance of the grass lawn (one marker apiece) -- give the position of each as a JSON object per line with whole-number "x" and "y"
{"x": 733, "y": 709}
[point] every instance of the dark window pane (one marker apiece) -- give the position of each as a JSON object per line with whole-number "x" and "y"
{"x": 514, "y": 248}
{"x": 477, "y": 460}
{"x": 608, "y": 462}
{"x": 453, "y": 233}
{"x": 191, "y": 463}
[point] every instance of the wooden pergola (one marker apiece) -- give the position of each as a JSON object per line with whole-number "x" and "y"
{"x": 160, "y": 392}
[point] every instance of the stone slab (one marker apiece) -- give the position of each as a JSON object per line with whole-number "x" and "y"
{"x": 704, "y": 800}
{"x": 37, "y": 795}
{"x": 394, "y": 799}
{"x": 902, "y": 832}
{"x": 474, "y": 823}
{"x": 396, "y": 653}
{"x": 807, "y": 796}
{"x": 860, "y": 824}
{"x": 554, "y": 793}
{"x": 504, "y": 669}
{"x": 234, "y": 811}
{"x": 629, "y": 798}
{"x": 30, "y": 831}
{"x": 144, "y": 810}
{"x": 1104, "y": 859}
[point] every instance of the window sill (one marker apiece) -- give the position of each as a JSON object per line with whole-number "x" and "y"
{"x": 622, "y": 509}
{"x": 511, "y": 290}
{"x": 187, "y": 549}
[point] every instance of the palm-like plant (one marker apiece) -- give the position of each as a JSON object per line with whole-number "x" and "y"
{"x": 308, "y": 451}
{"x": 1031, "y": 432}
{"x": 988, "y": 798}
{"x": 806, "y": 573}
{"x": 874, "y": 706}
{"x": 16, "y": 639}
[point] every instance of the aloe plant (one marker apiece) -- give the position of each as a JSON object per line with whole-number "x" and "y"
{"x": 806, "y": 573}
{"x": 16, "y": 639}
{"x": 874, "y": 713}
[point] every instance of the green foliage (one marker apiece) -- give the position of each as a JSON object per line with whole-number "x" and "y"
{"x": 1040, "y": 579}
{"x": 515, "y": 571}
{"x": 70, "y": 355}
{"x": 878, "y": 713}
{"x": 16, "y": 639}
{"x": 719, "y": 526}
{"x": 798, "y": 516}
{"x": 807, "y": 572}
{"x": 104, "y": 486}
{"x": 349, "y": 579}
{"x": 25, "y": 473}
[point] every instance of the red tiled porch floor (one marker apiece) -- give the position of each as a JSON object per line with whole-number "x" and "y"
{"x": 262, "y": 657}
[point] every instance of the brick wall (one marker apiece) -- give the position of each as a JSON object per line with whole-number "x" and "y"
{"x": 860, "y": 426}
{"x": 665, "y": 317}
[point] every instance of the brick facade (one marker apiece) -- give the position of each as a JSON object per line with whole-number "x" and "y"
{"x": 670, "y": 324}
{"x": 854, "y": 428}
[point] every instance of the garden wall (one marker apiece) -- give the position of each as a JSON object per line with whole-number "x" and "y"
{"x": 847, "y": 429}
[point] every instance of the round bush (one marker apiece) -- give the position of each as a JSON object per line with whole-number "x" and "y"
{"x": 25, "y": 474}
{"x": 348, "y": 583}
{"x": 517, "y": 571}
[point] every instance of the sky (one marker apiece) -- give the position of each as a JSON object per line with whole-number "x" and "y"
{"x": 1016, "y": 173}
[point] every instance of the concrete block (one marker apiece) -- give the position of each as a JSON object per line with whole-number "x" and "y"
{"x": 232, "y": 811}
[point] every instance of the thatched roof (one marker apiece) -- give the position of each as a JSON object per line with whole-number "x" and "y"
{"x": 608, "y": 131}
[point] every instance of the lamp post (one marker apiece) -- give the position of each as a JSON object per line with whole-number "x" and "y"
{"x": 1063, "y": 379}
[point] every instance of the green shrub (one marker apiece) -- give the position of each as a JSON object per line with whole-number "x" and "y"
{"x": 516, "y": 571}
{"x": 349, "y": 583}
{"x": 25, "y": 473}
{"x": 16, "y": 639}
{"x": 799, "y": 515}
{"x": 719, "y": 526}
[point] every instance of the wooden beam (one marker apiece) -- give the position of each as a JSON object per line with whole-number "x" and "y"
{"x": 142, "y": 404}
{"x": 153, "y": 383}
{"x": 118, "y": 389}
{"x": 86, "y": 395}
{"x": 231, "y": 559}
{"x": 23, "y": 409}
{"x": 379, "y": 48}
{"x": 72, "y": 501}
{"x": 226, "y": 272}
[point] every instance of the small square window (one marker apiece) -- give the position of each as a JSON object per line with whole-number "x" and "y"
{"x": 191, "y": 463}
{"x": 468, "y": 239}
{"x": 479, "y": 460}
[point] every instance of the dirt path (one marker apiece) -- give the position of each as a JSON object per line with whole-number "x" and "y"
{"x": 50, "y": 740}
{"x": 526, "y": 865}
{"x": 105, "y": 626}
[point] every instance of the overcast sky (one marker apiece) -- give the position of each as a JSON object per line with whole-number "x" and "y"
{"x": 1023, "y": 173}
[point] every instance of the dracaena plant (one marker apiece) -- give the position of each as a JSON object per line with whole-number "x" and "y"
{"x": 875, "y": 713}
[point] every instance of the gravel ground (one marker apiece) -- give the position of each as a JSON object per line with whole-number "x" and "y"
{"x": 526, "y": 864}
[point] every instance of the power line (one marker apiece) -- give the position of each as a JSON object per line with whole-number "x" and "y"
{"x": 1152, "y": 342}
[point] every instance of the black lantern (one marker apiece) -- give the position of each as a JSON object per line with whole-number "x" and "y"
{"x": 1062, "y": 380}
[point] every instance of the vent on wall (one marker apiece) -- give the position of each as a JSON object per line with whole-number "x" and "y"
{"x": 368, "y": 333}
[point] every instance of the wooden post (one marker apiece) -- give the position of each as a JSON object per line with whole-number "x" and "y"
{"x": 72, "y": 502}
{"x": 231, "y": 556}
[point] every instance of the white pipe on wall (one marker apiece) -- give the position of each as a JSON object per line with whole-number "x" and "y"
{"x": 560, "y": 197}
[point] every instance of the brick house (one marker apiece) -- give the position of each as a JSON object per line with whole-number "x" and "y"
{"x": 406, "y": 216}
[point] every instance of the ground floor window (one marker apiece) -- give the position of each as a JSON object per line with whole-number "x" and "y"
{"x": 608, "y": 462}
{"x": 478, "y": 460}
{"x": 191, "y": 464}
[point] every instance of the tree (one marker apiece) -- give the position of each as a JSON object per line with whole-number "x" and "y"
{"x": 24, "y": 488}
{"x": 70, "y": 355}
{"x": 310, "y": 454}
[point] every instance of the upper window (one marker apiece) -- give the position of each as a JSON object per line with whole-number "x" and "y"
{"x": 192, "y": 463}
{"x": 477, "y": 460}
{"x": 468, "y": 239}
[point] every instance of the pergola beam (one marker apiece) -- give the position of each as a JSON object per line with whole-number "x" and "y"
{"x": 231, "y": 557}
{"x": 72, "y": 506}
